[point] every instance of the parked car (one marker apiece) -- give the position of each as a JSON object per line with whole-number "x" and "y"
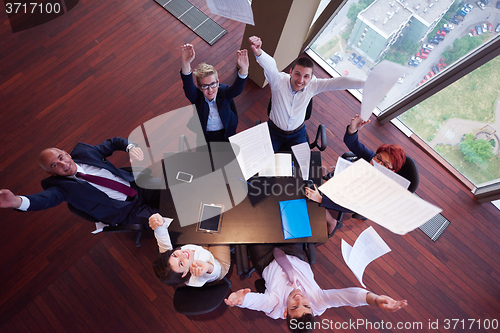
{"x": 469, "y": 6}
{"x": 498, "y": 4}
{"x": 454, "y": 20}
{"x": 334, "y": 59}
{"x": 361, "y": 64}
{"x": 465, "y": 10}
{"x": 473, "y": 32}
{"x": 459, "y": 17}
{"x": 400, "y": 80}
{"x": 425, "y": 51}
{"x": 435, "y": 69}
{"x": 417, "y": 59}
{"x": 485, "y": 1}
{"x": 431, "y": 74}
{"x": 485, "y": 27}
{"x": 421, "y": 55}
{"x": 356, "y": 60}
{"x": 351, "y": 57}
{"x": 413, "y": 63}
{"x": 439, "y": 37}
{"x": 479, "y": 29}
{"x": 428, "y": 47}
{"x": 434, "y": 41}
{"x": 445, "y": 29}
{"x": 462, "y": 13}
{"x": 427, "y": 77}
{"x": 339, "y": 56}
{"x": 449, "y": 26}
{"x": 497, "y": 29}
{"x": 490, "y": 27}
{"x": 441, "y": 33}
{"x": 480, "y": 5}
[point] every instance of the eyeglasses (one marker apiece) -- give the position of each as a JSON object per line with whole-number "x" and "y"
{"x": 212, "y": 85}
{"x": 379, "y": 159}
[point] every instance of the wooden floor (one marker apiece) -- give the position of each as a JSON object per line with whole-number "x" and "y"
{"x": 105, "y": 68}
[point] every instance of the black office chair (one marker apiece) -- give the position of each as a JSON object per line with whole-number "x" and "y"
{"x": 191, "y": 301}
{"x": 138, "y": 228}
{"x": 409, "y": 171}
{"x": 319, "y": 142}
{"x": 243, "y": 260}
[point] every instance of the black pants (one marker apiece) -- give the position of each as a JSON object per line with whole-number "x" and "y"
{"x": 261, "y": 255}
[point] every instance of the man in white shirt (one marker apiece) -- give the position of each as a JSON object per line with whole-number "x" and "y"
{"x": 303, "y": 299}
{"x": 291, "y": 93}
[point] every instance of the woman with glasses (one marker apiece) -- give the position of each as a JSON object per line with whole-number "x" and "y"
{"x": 392, "y": 157}
{"x": 212, "y": 100}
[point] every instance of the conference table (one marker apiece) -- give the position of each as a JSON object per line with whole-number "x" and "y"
{"x": 256, "y": 219}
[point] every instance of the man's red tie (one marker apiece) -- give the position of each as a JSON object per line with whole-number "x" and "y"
{"x": 109, "y": 183}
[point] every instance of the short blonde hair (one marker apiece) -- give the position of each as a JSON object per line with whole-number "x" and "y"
{"x": 205, "y": 70}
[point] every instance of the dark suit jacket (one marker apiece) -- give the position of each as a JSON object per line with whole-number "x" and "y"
{"x": 352, "y": 142}
{"x": 223, "y": 100}
{"x": 81, "y": 194}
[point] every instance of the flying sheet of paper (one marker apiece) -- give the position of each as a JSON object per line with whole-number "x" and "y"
{"x": 281, "y": 166}
{"x": 238, "y": 10}
{"x": 365, "y": 190}
{"x": 368, "y": 247}
{"x": 341, "y": 165}
{"x": 256, "y": 150}
{"x": 302, "y": 154}
{"x": 377, "y": 85}
{"x": 405, "y": 183}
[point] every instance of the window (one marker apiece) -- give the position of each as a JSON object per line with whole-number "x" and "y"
{"x": 438, "y": 41}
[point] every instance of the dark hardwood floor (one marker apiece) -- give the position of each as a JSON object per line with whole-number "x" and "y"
{"x": 105, "y": 68}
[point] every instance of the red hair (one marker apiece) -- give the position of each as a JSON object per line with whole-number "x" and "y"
{"x": 396, "y": 153}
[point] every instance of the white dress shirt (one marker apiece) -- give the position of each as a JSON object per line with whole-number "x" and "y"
{"x": 288, "y": 107}
{"x": 165, "y": 244}
{"x": 273, "y": 301}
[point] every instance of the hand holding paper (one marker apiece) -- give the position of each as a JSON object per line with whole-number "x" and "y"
{"x": 378, "y": 84}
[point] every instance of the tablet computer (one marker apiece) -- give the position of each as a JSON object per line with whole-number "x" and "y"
{"x": 210, "y": 218}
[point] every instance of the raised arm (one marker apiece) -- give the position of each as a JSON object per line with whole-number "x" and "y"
{"x": 256, "y": 44}
{"x": 356, "y": 124}
{"x": 243, "y": 62}
{"x": 9, "y": 199}
{"x": 160, "y": 226}
{"x": 187, "y": 56}
{"x": 385, "y": 303}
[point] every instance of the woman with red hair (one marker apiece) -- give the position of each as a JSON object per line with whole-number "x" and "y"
{"x": 392, "y": 157}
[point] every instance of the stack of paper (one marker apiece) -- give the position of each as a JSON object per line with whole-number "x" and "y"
{"x": 365, "y": 190}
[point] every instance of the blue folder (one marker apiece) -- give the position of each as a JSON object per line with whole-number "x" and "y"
{"x": 295, "y": 219}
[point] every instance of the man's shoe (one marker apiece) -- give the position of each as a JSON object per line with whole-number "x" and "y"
{"x": 358, "y": 217}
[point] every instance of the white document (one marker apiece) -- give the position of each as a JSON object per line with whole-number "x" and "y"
{"x": 365, "y": 190}
{"x": 302, "y": 154}
{"x": 256, "y": 150}
{"x": 341, "y": 165}
{"x": 368, "y": 247}
{"x": 238, "y": 10}
{"x": 281, "y": 166}
{"x": 405, "y": 183}
{"x": 377, "y": 85}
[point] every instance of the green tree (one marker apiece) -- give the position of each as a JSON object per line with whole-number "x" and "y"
{"x": 476, "y": 151}
{"x": 461, "y": 47}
